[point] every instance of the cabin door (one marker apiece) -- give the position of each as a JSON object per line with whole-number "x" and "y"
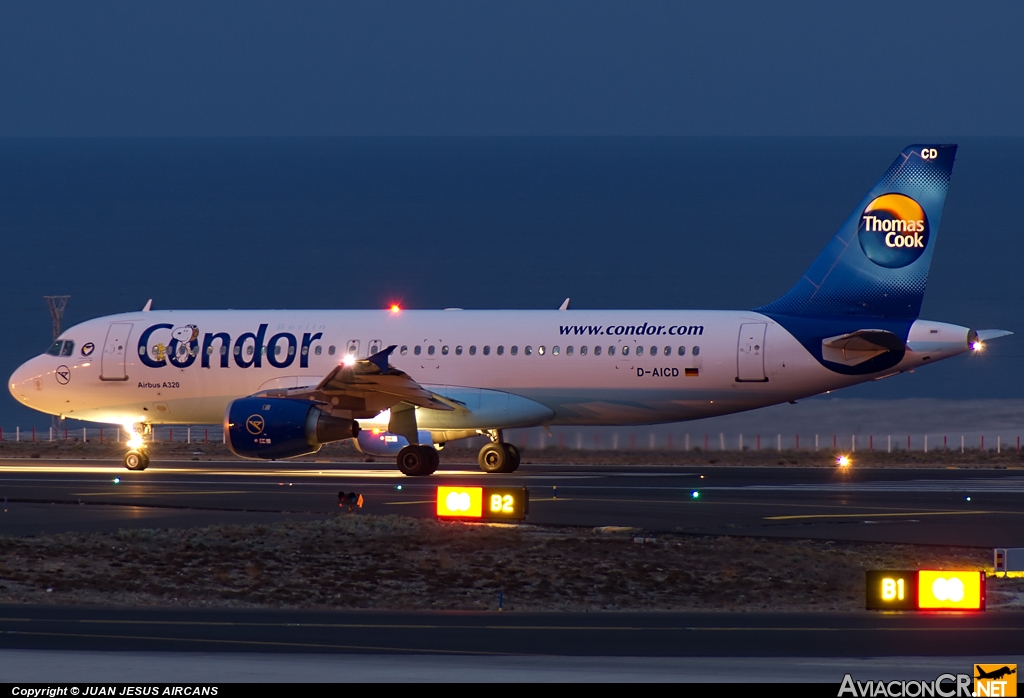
{"x": 750, "y": 353}
{"x": 115, "y": 354}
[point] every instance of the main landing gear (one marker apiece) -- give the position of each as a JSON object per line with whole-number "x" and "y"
{"x": 498, "y": 457}
{"x": 417, "y": 460}
{"x": 136, "y": 458}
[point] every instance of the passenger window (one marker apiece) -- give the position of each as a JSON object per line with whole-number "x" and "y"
{"x": 501, "y": 350}
{"x": 249, "y": 350}
{"x": 682, "y": 351}
{"x": 444, "y": 350}
{"x": 458, "y": 351}
{"x": 541, "y": 350}
{"x": 487, "y": 350}
{"x": 696, "y": 350}
{"x": 668, "y": 351}
{"x": 472, "y": 350}
{"x": 224, "y": 350}
{"x": 611, "y": 351}
{"x": 69, "y": 347}
{"x": 639, "y": 351}
{"x": 209, "y": 351}
{"x": 330, "y": 350}
{"x": 417, "y": 350}
{"x": 528, "y": 351}
{"x": 597, "y": 351}
{"x": 583, "y": 351}
{"x": 515, "y": 350}
{"x": 404, "y": 350}
{"x": 554, "y": 351}
{"x": 305, "y": 350}
{"x": 625, "y": 351}
{"x": 277, "y": 350}
{"x": 238, "y": 350}
{"x": 318, "y": 350}
{"x": 568, "y": 350}
{"x": 54, "y": 349}
{"x": 291, "y": 350}
{"x": 430, "y": 350}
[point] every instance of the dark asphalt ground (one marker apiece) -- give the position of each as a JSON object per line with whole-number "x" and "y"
{"x": 895, "y": 505}
{"x": 566, "y": 634}
{"x": 932, "y": 506}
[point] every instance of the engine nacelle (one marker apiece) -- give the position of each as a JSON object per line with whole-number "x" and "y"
{"x": 270, "y": 428}
{"x": 375, "y": 442}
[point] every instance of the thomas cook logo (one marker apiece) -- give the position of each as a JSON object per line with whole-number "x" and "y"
{"x": 255, "y": 424}
{"x": 893, "y": 231}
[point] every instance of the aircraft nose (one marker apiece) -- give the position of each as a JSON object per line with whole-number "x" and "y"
{"x": 25, "y": 381}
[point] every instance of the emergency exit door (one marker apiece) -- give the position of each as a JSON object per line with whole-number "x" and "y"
{"x": 750, "y": 353}
{"x": 112, "y": 363}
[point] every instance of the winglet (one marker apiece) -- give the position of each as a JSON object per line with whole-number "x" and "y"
{"x": 149, "y": 304}
{"x": 564, "y": 305}
{"x": 380, "y": 359}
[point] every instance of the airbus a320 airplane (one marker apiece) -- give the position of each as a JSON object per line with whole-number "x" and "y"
{"x": 285, "y": 382}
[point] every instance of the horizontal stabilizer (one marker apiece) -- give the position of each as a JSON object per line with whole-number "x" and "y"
{"x": 857, "y": 347}
{"x": 986, "y": 335}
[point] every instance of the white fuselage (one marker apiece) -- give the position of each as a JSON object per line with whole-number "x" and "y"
{"x": 585, "y": 367}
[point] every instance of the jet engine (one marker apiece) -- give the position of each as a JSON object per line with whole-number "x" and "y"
{"x": 270, "y": 428}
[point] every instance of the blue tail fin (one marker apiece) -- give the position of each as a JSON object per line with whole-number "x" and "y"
{"x": 877, "y": 264}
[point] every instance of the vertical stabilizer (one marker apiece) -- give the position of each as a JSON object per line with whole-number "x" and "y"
{"x": 877, "y": 264}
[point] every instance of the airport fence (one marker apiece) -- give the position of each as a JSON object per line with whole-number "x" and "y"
{"x": 114, "y": 434}
{"x": 703, "y": 441}
{"x": 595, "y": 439}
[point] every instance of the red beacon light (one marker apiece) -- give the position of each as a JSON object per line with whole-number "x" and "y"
{"x": 395, "y": 308}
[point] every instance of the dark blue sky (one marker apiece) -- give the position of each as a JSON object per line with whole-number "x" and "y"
{"x": 510, "y": 68}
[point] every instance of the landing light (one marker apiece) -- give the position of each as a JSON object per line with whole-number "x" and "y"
{"x": 843, "y": 461}
{"x": 977, "y": 346}
{"x": 135, "y": 441}
{"x": 349, "y": 360}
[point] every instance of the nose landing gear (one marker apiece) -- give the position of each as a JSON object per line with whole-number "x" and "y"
{"x": 497, "y": 456}
{"x": 136, "y": 458}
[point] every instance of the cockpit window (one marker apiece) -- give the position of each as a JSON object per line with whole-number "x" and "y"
{"x": 55, "y": 349}
{"x": 69, "y": 347}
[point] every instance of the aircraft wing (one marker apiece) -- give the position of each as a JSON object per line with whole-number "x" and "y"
{"x": 368, "y": 386}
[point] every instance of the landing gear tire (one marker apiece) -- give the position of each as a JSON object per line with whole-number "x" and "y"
{"x": 136, "y": 460}
{"x": 494, "y": 458}
{"x": 514, "y": 458}
{"x": 417, "y": 461}
{"x": 435, "y": 458}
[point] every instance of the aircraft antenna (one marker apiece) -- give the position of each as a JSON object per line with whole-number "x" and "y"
{"x": 56, "y": 304}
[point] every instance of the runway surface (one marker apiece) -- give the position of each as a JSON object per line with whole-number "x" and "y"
{"x": 933, "y": 506}
{"x": 528, "y": 634}
{"x": 148, "y": 668}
